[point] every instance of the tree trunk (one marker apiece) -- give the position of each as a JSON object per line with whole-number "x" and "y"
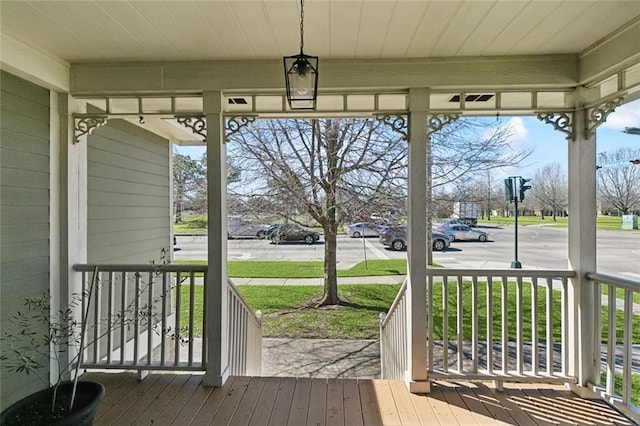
{"x": 330, "y": 296}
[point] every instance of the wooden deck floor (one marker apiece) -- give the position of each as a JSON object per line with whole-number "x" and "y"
{"x": 179, "y": 399}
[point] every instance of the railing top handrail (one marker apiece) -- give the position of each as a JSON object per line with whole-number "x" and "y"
{"x": 615, "y": 281}
{"x": 112, "y": 267}
{"x": 245, "y": 305}
{"x": 395, "y": 303}
{"x": 525, "y": 273}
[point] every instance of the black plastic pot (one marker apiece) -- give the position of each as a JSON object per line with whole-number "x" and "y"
{"x": 35, "y": 409}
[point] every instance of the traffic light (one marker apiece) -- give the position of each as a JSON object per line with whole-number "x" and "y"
{"x": 523, "y": 187}
{"x": 508, "y": 190}
{"x": 636, "y": 161}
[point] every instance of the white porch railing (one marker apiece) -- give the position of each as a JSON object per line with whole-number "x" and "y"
{"x": 393, "y": 337}
{"x": 619, "y": 359}
{"x": 143, "y": 317}
{"x": 498, "y": 324}
{"x": 245, "y": 341}
{"x": 471, "y": 336}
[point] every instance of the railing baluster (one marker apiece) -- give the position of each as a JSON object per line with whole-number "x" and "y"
{"x": 123, "y": 319}
{"x": 627, "y": 354}
{"x": 549, "y": 312}
{"x": 178, "y": 313}
{"x": 136, "y": 320}
{"x": 192, "y": 309}
{"x": 150, "y": 308}
{"x": 474, "y": 324}
{"x": 445, "y": 323}
{"x": 489, "y": 324}
{"x": 611, "y": 339}
{"x": 163, "y": 339}
{"x": 565, "y": 328}
{"x": 110, "y": 310}
{"x": 430, "y": 343}
{"x": 459, "y": 316}
{"x": 505, "y": 326}
{"x": 519, "y": 327}
{"x": 535, "y": 356}
{"x": 97, "y": 301}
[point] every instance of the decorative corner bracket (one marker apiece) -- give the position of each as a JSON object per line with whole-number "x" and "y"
{"x": 85, "y": 124}
{"x": 561, "y": 121}
{"x": 234, "y": 124}
{"x": 397, "y": 122}
{"x": 196, "y": 123}
{"x": 599, "y": 113}
{"x": 437, "y": 122}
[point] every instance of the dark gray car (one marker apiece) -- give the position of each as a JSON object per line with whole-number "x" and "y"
{"x": 396, "y": 238}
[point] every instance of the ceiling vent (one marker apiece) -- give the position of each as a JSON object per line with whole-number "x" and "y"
{"x": 237, "y": 101}
{"x": 477, "y": 97}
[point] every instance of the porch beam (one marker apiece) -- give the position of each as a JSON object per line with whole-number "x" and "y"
{"x": 610, "y": 55}
{"x": 216, "y": 285}
{"x": 520, "y": 72}
{"x": 417, "y": 236}
{"x": 582, "y": 248}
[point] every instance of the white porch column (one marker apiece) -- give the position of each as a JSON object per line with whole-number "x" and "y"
{"x": 582, "y": 248}
{"x": 216, "y": 285}
{"x": 68, "y": 202}
{"x": 417, "y": 235}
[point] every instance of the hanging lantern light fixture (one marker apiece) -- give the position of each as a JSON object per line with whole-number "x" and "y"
{"x": 301, "y": 74}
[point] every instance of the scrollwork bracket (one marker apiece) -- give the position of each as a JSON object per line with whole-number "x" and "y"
{"x": 196, "y": 123}
{"x": 437, "y": 122}
{"x": 84, "y": 125}
{"x": 234, "y": 124}
{"x": 561, "y": 121}
{"x": 599, "y": 114}
{"x": 398, "y": 124}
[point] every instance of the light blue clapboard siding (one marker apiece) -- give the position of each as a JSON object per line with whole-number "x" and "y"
{"x": 129, "y": 188}
{"x": 24, "y": 210}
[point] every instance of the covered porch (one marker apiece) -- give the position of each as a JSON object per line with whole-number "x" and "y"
{"x": 558, "y": 61}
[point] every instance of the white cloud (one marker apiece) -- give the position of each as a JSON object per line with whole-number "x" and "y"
{"x": 518, "y": 130}
{"x": 627, "y": 115}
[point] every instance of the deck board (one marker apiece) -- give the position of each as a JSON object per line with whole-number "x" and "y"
{"x": 166, "y": 399}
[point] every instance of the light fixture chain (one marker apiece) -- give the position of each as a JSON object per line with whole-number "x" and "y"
{"x": 301, "y": 26}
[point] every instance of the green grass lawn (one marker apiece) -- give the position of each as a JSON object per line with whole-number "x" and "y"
{"x": 193, "y": 224}
{"x": 288, "y": 313}
{"x": 305, "y": 269}
{"x": 603, "y": 223}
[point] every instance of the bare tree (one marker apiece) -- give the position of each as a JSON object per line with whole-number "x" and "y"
{"x": 618, "y": 179}
{"x": 335, "y": 168}
{"x": 549, "y": 190}
{"x": 317, "y": 164}
{"x": 470, "y": 147}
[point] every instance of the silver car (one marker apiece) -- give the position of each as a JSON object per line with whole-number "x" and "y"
{"x": 464, "y": 232}
{"x": 357, "y": 230}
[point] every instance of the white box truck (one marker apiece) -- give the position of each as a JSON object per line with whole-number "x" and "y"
{"x": 467, "y": 212}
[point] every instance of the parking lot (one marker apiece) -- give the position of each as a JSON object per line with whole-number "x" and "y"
{"x": 539, "y": 247}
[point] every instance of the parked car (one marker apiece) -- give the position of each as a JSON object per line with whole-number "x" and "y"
{"x": 241, "y": 227}
{"x": 464, "y": 232}
{"x": 357, "y": 230}
{"x": 396, "y": 238}
{"x": 291, "y": 232}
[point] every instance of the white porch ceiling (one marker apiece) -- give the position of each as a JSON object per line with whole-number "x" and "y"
{"x": 109, "y": 31}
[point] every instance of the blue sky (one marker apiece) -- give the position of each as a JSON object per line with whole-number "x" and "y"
{"x": 548, "y": 145}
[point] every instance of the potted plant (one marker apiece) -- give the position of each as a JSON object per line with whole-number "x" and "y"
{"x": 35, "y": 336}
